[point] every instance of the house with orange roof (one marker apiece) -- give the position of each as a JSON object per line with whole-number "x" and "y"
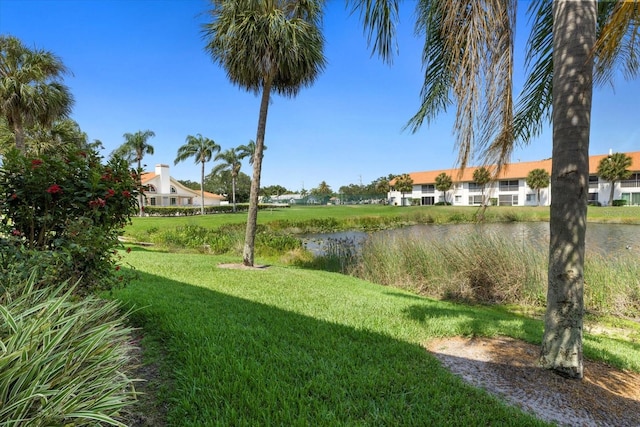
{"x": 161, "y": 189}
{"x": 509, "y": 188}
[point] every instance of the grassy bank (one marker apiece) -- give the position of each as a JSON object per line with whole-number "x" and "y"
{"x": 223, "y": 233}
{"x": 286, "y": 346}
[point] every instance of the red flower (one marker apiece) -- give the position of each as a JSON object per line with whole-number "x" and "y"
{"x": 54, "y": 189}
{"x": 110, "y": 193}
{"x": 35, "y": 163}
{"x": 82, "y": 154}
{"x": 126, "y": 194}
{"x": 97, "y": 203}
{"x": 117, "y": 267}
{"x": 128, "y": 250}
{"x": 106, "y": 177}
{"x": 16, "y": 232}
{"x": 14, "y": 196}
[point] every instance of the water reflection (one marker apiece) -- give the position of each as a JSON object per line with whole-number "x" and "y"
{"x": 605, "y": 239}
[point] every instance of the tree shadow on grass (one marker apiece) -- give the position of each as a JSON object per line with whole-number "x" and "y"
{"x": 233, "y": 361}
{"x": 471, "y": 322}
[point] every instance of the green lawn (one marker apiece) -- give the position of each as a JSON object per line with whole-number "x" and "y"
{"x": 286, "y": 346}
{"x": 412, "y": 214}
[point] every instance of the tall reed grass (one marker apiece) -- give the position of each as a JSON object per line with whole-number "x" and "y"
{"x": 487, "y": 268}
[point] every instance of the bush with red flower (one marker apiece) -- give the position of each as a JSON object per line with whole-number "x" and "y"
{"x": 69, "y": 204}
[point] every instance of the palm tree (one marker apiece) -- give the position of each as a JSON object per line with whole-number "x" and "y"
{"x": 538, "y": 179}
{"x": 444, "y": 184}
{"x": 482, "y": 177}
{"x": 62, "y": 134}
{"x": 613, "y": 168}
{"x": 31, "y": 91}
{"x": 265, "y": 46}
{"x": 201, "y": 149}
{"x": 230, "y": 161}
{"x": 468, "y": 60}
{"x": 249, "y": 150}
{"x": 134, "y": 149}
{"x": 403, "y": 184}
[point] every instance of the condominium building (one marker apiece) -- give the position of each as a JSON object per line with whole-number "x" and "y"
{"x": 510, "y": 187}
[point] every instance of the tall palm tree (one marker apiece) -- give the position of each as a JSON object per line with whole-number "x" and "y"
{"x": 613, "y": 168}
{"x": 230, "y": 161}
{"x": 265, "y": 46}
{"x": 134, "y": 149}
{"x": 468, "y": 60}
{"x": 31, "y": 89}
{"x": 202, "y": 150}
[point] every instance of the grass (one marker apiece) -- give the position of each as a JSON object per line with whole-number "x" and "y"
{"x": 482, "y": 267}
{"x": 307, "y": 219}
{"x": 287, "y": 346}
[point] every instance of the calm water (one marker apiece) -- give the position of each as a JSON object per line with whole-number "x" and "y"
{"x": 607, "y": 239}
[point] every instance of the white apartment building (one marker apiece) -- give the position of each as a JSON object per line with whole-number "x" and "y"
{"x": 510, "y": 188}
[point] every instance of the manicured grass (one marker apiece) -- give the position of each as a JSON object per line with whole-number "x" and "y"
{"x": 286, "y": 346}
{"x": 370, "y": 216}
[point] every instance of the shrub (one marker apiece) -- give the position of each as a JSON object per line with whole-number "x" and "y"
{"x": 619, "y": 202}
{"x": 68, "y": 204}
{"x": 64, "y": 361}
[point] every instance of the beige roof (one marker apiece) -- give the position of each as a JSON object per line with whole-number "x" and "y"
{"x": 511, "y": 170}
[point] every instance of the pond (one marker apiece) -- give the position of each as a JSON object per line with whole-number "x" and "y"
{"x": 606, "y": 239}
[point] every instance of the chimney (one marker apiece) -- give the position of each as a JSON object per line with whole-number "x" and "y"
{"x": 162, "y": 171}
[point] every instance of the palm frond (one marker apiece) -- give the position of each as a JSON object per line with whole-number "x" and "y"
{"x": 379, "y": 19}
{"x": 618, "y": 44}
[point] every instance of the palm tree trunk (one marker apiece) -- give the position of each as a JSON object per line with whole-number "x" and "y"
{"x": 18, "y": 132}
{"x": 252, "y": 218}
{"x": 574, "y": 34}
{"x": 611, "y": 193}
{"x": 233, "y": 192}
{"x": 202, "y": 189}
{"x": 141, "y": 195}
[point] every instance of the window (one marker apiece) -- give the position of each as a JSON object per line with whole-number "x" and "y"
{"x": 151, "y": 188}
{"x": 633, "y": 199}
{"x": 593, "y": 181}
{"x": 509, "y": 185}
{"x": 593, "y": 197}
{"x": 173, "y": 190}
{"x": 532, "y": 198}
{"x": 428, "y": 201}
{"x": 633, "y": 181}
{"x": 152, "y": 201}
{"x": 458, "y": 200}
{"x": 474, "y": 187}
{"x": 173, "y": 201}
{"x": 428, "y": 188}
{"x": 475, "y": 200}
{"x": 508, "y": 200}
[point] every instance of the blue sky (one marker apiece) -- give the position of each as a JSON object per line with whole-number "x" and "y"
{"x": 140, "y": 64}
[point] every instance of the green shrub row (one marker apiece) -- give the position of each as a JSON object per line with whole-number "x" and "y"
{"x": 195, "y": 210}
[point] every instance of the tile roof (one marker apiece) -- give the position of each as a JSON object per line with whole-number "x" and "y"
{"x": 518, "y": 170}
